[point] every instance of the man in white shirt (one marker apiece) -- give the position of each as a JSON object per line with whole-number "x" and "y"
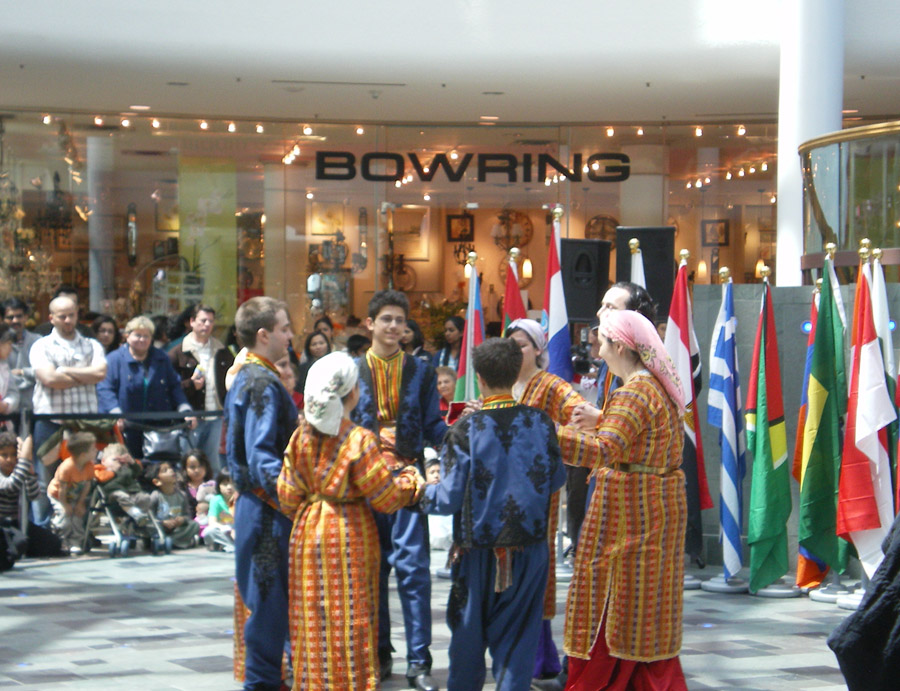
{"x": 14, "y": 314}
{"x": 67, "y": 367}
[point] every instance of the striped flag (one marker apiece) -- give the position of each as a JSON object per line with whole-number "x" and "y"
{"x": 637, "y": 267}
{"x": 473, "y": 335}
{"x": 681, "y": 344}
{"x": 821, "y": 462}
{"x": 865, "y": 499}
{"x": 811, "y": 570}
{"x": 883, "y": 328}
{"x": 724, "y": 412}
{"x": 513, "y": 308}
{"x": 555, "y": 317}
{"x": 770, "y": 490}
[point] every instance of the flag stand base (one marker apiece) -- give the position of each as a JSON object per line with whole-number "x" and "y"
{"x": 720, "y": 584}
{"x": 851, "y": 601}
{"x": 829, "y": 593}
{"x": 778, "y": 589}
{"x": 691, "y": 582}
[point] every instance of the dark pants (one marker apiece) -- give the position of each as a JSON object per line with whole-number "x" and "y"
{"x": 40, "y": 507}
{"x": 261, "y": 571}
{"x": 42, "y": 542}
{"x": 506, "y": 623}
{"x": 404, "y": 546}
{"x": 576, "y": 500}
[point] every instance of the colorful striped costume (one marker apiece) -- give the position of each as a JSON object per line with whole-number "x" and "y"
{"x": 629, "y": 567}
{"x": 558, "y": 399}
{"x": 334, "y": 552}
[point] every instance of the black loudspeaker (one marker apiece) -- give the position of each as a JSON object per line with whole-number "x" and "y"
{"x": 658, "y": 252}
{"x": 585, "y": 274}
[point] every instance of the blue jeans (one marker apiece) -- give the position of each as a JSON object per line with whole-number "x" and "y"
{"x": 207, "y": 437}
{"x": 41, "y": 510}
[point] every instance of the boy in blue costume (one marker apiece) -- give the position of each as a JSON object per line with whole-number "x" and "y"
{"x": 398, "y": 400}
{"x": 261, "y": 417}
{"x": 499, "y": 468}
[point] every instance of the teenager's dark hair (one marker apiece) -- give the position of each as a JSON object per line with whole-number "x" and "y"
{"x": 418, "y": 338}
{"x": 498, "y": 361}
{"x": 457, "y": 321}
{"x": 151, "y": 470}
{"x": 356, "y": 342}
{"x": 99, "y": 321}
{"x": 324, "y": 319}
{"x": 257, "y": 313}
{"x": 178, "y": 324}
{"x": 15, "y": 304}
{"x": 387, "y": 298}
{"x": 81, "y": 442}
{"x": 160, "y": 326}
{"x": 7, "y": 439}
{"x": 223, "y": 476}
{"x": 201, "y": 458}
{"x": 433, "y": 462}
{"x": 640, "y": 300}
{"x": 200, "y": 307}
{"x": 308, "y": 342}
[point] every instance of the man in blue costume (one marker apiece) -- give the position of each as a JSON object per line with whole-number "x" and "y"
{"x": 261, "y": 417}
{"x": 499, "y": 468}
{"x": 398, "y": 400}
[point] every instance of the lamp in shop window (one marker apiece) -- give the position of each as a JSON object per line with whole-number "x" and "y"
{"x": 131, "y": 233}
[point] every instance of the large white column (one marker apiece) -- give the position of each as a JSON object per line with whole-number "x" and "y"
{"x": 101, "y": 223}
{"x": 643, "y": 195}
{"x": 810, "y": 101}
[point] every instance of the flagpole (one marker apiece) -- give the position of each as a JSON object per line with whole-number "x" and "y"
{"x": 470, "y": 332}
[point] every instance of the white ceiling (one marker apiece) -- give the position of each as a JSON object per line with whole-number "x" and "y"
{"x": 427, "y": 61}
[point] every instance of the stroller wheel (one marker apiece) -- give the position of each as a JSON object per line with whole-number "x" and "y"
{"x": 124, "y": 547}
{"x": 112, "y": 550}
{"x": 168, "y": 545}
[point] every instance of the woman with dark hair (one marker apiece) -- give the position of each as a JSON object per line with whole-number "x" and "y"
{"x": 107, "y": 332}
{"x": 316, "y": 346}
{"x": 448, "y": 356}
{"x": 413, "y": 341}
{"x": 324, "y": 325}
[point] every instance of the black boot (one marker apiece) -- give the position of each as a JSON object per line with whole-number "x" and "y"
{"x": 419, "y": 678}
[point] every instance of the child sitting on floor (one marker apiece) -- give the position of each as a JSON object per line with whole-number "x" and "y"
{"x": 16, "y": 473}
{"x": 220, "y": 531}
{"x": 69, "y": 489}
{"x": 170, "y": 506}
{"x": 440, "y": 528}
{"x": 118, "y": 473}
{"x": 198, "y": 475}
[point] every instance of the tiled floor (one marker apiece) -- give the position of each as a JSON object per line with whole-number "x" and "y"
{"x": 161, "y": 623}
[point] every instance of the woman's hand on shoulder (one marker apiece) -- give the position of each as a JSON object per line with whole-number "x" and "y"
{"x": 585, "y": 417}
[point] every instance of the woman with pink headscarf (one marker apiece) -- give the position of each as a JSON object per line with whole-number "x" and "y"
{"x": 624, "y": 608}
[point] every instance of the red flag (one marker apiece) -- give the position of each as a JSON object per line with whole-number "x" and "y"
{"x": 865, "y": 501}
{"x": 512, "y": 299}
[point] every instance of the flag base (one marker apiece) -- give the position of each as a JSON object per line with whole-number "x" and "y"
{"x": 778, "y": 589}
{"x": 831, "y": 592}
{"x": 851, "y": 601}
{"x": 691, "y": 582}
{"x": 720, "y": 584}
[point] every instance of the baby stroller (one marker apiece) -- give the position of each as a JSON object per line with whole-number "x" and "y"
{"x": 108, "y": 523}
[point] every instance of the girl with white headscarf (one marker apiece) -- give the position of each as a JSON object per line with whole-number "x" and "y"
{"x": 556, "y": 397}
{"x": 332, "y": 478}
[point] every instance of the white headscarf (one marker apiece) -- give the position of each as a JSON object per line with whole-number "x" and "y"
{"x": 535, "y": 334}
{"x": 329, "y": 379}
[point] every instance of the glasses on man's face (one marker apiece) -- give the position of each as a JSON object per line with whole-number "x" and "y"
{"x": 388, "y": 320}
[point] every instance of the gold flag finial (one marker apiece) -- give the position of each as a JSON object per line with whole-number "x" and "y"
{"x": 471, "y": 259}
{"x": 634, "y": 245}
{"x": 876, "y": 253}
{"x": 830, "y": 248}
{"x": 865, "y": 242}
{"x": 724, "y": 274}
{"x": 514, "y": 253}
{"x": 557, "y": 212}
{"x": 684, "y": 255}
{"x": 863, "y": 253}
{"x": 765, "y": 271}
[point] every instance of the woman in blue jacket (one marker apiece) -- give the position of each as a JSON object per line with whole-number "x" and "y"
{"x": 140, "y": 378}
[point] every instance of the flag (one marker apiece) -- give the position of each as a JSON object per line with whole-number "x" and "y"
{"x": 637, "y": 267}
{"x": 513, "y": 308}
{"x": 681, "y": 344}
{"x": 820, "y": 465}
{"x": 770, "y": 489}
{"x": 865, "y": 498}
{"x": 883, "y": 328}
{"x": 811, "y": 570}
{"x": 724, "y": 412}
{"x": 473, "y": 335}
{"x": 554, "y": 317}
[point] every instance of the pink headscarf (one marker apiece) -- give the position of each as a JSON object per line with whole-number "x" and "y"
{"x": 638, "y": 333}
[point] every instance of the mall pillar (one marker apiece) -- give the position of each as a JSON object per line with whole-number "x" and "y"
{"x": 101, "y": 222}
{"x": 810, "y": 101}
{"x": 643, "y": 194}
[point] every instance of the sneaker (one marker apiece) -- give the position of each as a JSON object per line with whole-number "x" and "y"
{"x": 75, "y": 550}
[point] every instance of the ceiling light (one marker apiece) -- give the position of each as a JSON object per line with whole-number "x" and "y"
{"x": 741, "y": 130}
{"x": 98, "y": 121}
{"x": 154, "y": 124}
{"x": 849, "y": 111}
{"x": 698, "y": 131}
{"x": 262, "y": 219}
{"x": 752, "y": 170}
{"x": 360, "y": 130}
{"x": 595, "y": 166}
{"x": 307, "y": 130}
{"x": 689, "y": 185}
{"x": 426, "y": 197}
{"x": 126, "y": 122}
{"x": 296, "y": 150}
{"x": 741, "y": 173}
{"x": 706, "y": 180}
{"x": 699, "y": 183}
{"x": 138, "y": 107}
{"x": 585, "y": 169}
{"x": 610, "y": 131}
{"x": 204, "y": 125}
{"x": 640, "y": 131}
{"x": 764, "y": 167}
{"x": 490, "y": 117}
{"x": 46, "y": 119}
{"x": 260, "y": 129}
{"x": 397, "y": 183}
{"x": 310, "y": 195}
{"x": 232, "y": 127}
{"x": 728, "y": 175}
{"x": 453, "y": 155}
{"x": 773, "y": 199}
{"x": 426, "y": 169}
{"x": 547, "y": 182}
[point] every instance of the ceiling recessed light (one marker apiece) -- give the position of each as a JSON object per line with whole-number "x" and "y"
{"x": 204, "y": 125}
{"x": 490, "y": 117}
{"x": 360, "y": 130}
{"x": 310, "y": 195}
{"x": 260, "y": 129}
{"x": 98, "y": 121}
{"x": 698, "y": 131}
{"x": 741, "y": 130}
{"x": 138, "y": 107}
{"x": 307, "y": 130}
{"x": 610, "y": 131}
{"x": 46, "y": 119}
{"x": 426, "y": 197}
{"x": 640, "y": 131}
{"x": 126, "y": 122}
{"x": 232, "y": 127}
{"x": 154, "y": 124}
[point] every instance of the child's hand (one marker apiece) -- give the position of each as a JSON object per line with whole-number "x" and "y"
{"x": 170, "y": 523}
{"x": 26, "y": 447}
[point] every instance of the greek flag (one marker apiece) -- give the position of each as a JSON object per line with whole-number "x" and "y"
{"x": 724, "y": 412}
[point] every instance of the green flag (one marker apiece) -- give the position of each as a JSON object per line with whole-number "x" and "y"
{"x": 770, "y": 490}
{"x": 820, "y": 469}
